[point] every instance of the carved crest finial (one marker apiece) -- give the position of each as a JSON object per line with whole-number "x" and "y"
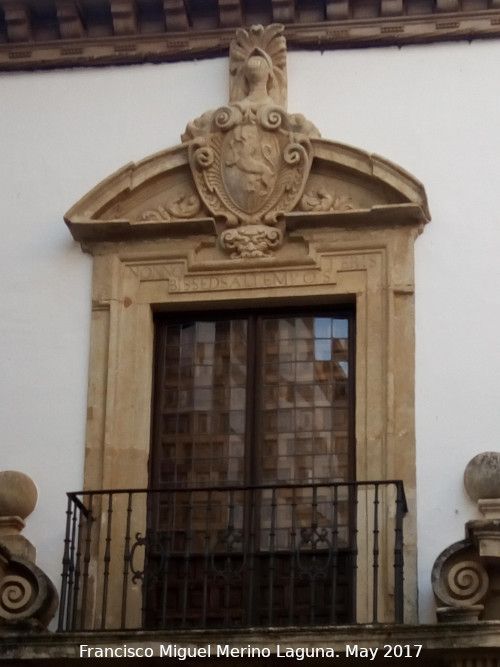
{"x": 250, "y": 160}
{"x": 267, "y": 44}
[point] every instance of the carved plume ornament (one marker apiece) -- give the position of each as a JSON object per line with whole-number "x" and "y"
{"x": 250, "y": 160}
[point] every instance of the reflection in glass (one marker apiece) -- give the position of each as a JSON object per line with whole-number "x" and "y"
{"x": 275, "y": 414}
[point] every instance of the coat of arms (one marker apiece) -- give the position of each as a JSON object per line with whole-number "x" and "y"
{"x": 250, "y": 159}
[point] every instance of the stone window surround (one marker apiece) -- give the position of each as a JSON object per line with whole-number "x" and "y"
{"x": 255, "y": 209}
{"x": 373, "y": 268}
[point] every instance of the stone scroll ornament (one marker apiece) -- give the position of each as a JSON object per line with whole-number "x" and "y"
{"x": 250, "y": 160}
{"x": 28, "y": 599}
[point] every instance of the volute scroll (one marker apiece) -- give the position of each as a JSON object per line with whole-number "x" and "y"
{"x": 466, "y": 575}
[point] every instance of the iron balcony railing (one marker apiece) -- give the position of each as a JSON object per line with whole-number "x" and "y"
{"x": 229, "y": 557}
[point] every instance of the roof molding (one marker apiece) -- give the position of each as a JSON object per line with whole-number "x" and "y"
{"x": 41, "y": 34}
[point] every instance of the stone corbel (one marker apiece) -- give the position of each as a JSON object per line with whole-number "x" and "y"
{"x": 124, "y": 17}
{"x": 28, "y": 599}
{"x": 70, "y": 23}
{"x": 18, "y": 21}
{"x": 176, "y": 19}
{"x": 466, "y": 575}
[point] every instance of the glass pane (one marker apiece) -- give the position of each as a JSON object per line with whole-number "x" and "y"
{"x": 304, "y": 403}
{"x": 323, "y": 328}
{"x": 205, "y": 378}
{"x": 301, "y": 419}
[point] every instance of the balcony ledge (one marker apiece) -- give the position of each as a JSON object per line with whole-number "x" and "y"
{"x": 443, "y": 641}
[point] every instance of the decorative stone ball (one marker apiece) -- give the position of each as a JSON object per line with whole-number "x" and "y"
{"x": 482, "y": 476}
{"x": 18, "y": 494}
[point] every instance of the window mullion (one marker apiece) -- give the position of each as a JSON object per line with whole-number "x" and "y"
{"x": 352, "y": 398}
{"x": 252, "y": 441}
{"x": 157, "y": 405}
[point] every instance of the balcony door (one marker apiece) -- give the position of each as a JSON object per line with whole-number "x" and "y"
{"x": 250, "y": 519}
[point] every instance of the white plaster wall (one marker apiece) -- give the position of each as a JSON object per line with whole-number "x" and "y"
{"x": 432, "y": 110}
{"x": 62, "y": 132}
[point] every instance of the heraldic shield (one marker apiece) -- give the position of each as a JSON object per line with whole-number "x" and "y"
{"x": 250, "y": 160}
{"x": 254, "y": 168}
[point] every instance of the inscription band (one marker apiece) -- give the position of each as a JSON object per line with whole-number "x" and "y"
{"x": 251, "y": 280}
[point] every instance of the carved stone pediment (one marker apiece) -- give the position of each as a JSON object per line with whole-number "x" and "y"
{"x": 157, "y": 198}
{"x": 249, "y": 172}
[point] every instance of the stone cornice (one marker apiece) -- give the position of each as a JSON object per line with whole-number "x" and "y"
{"x": 65, "y": 33}
{"x": 439, "y": 642}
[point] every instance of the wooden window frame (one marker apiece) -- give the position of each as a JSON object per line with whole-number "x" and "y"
{"x": 280, "y": 544}
{"x": 254, "y": 319}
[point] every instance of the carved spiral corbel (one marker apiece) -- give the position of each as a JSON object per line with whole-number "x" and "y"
{"x": 458, "y": 578}
{"x": 467, "y": 581}
{"x": 16, "y": 596}
{"x": 26, "y": 593}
